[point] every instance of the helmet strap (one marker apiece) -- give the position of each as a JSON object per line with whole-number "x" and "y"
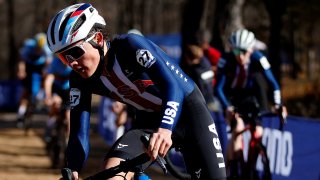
{"x": 101, "y": 53}
{"x": 96, "y": 45}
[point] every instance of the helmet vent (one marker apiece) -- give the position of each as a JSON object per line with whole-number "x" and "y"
{"x": 78, "y": 23}
{"x": 52, "y": 28}
{"x": 63, "y": 26}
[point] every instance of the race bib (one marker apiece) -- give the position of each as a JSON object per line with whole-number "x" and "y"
{"x": 145, "y": 58}
{"x": 75, "y": 94}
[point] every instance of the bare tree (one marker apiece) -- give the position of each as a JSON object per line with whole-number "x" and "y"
{"x": 276, "y": 9}
{"x": 192, "y": 16}
{"x": 234, "y": 17}
{"x": 11, "y": 38}
{"x": 219, "y": 23}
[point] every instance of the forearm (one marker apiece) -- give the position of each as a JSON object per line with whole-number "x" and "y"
{"x": 78, "y": 145}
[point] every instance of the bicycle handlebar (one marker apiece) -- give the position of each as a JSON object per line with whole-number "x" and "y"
{"x": 279, "y": 113}
{"x": 124, "y": 166}
{"x": 161, "y": 162}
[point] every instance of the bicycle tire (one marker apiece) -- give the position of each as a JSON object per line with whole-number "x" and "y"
{"x": 59, "y": 145}
{"x": 175, "y": 171}
{"x": 266, "y": 163}
{"x": 252, "y": 172}
{"x": 27, "y": 120}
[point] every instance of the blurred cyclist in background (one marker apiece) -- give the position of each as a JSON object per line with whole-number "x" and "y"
{"x": 56, "y": 88}
{"x": 242, "y": 73}
{"x": 35, "y": 55}
{"x": 170, "y": 108}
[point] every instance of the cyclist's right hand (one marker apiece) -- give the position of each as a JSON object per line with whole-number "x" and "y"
{"x": 75, "y": 175}
{"x": 160, "y": 143}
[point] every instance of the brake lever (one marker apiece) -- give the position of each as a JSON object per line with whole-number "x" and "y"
{"x": 160, "y": 160}
{"x": 283, "y": 120}
{"x": 67, "y": 174}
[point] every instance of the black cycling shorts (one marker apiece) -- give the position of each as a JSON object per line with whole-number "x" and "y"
{"x": 195, "y": 135}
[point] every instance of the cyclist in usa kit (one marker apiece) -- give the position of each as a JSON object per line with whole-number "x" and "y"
{"x": 35, "y": 55}
{"x": 241, "y": 74}
{"x": 133, "y": 70}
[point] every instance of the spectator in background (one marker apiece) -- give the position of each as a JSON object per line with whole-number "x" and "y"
{"x": 35, "y": 55}
{"x": 211, "y": 53}
{"x": 198, "y": 67}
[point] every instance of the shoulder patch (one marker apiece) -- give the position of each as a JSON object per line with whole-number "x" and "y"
{"x": 145, "y": 58}
{"x": 75, "y": 95}
{"x": 265, "y": 63}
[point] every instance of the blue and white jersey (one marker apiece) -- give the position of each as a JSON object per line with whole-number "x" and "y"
{"x": 61, "y": 73}
{"x": 231, "y": 76}
{"x": 33, "y": 56}
{"x": 137, "y": 72}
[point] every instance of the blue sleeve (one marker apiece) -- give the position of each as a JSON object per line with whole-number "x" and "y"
{"x": 51, "y": 69}
{"x": 26, "y": 49}
{"x": 275, "y": 86}
{"x": 172, "y": 82}
{"x": 221, "y": 80}
{"x": 263, "y": 61}
{"x": 78, "y": 144}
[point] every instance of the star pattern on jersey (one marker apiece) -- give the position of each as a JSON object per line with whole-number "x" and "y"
{"x": 176, "y": 70}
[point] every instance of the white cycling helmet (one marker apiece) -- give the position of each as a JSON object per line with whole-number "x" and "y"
{"x": 242, "y": 39}
{"x": 72, "y": 24}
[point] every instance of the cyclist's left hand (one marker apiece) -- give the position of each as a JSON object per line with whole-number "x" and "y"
{"x": 160, "y": 143}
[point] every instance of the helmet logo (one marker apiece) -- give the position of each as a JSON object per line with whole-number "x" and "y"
{"x": 73, "y": 35}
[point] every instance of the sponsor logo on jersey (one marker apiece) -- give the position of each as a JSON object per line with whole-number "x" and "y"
{"x": 217, "y": 145}
{"x": 75, "y": 94}
{"x": 170, "y": 112}
{"x": 145, "y": 58}
{"x": 120, "y": 146}
{"x": 198, "y": 173}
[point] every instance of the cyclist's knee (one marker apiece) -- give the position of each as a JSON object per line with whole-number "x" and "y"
{"x": 114, "y": 161}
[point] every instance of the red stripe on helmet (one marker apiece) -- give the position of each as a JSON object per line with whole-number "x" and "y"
{"x": 76, "y": 13}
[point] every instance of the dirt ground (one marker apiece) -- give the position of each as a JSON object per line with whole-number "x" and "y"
{"x": 23, "y": 156}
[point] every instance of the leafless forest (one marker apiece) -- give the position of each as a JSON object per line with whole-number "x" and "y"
{"x": 290, "y": 29}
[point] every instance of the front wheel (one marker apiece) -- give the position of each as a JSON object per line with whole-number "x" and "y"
{"x": 258, "y": 152}
{"x": 176, "y": 170}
